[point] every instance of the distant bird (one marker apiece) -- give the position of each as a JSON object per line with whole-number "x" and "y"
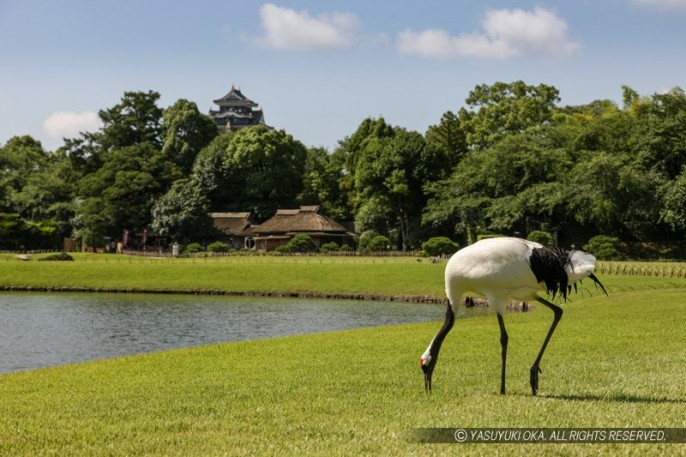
{"x": 505, "y": 269}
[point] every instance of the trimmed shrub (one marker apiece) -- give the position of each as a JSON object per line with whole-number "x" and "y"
{"x": 192, "y": 248}
{"x": 283, "y": 249}
{"x": 379, "y": 243}
{"x": 539, "y": 236}
{"x": 365, "y": 238}
{"x": 302, "y": 243}
{"x": 604, "y": 247}
{"x": 328, "y": 247}
{"x": 439, "y": 245}
{"x": 218, "y": 246}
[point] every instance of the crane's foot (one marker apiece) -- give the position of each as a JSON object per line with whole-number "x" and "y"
{"x": 533, "y": 378}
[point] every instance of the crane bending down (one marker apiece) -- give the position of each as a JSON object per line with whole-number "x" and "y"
{"x": 502, "y": 270}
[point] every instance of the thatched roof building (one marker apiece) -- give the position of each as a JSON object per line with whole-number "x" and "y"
{"x": 287, "y": 223}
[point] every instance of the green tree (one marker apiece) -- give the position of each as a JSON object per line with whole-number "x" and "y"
{"x": 322, "y": 183}
{"x": 37, "y": 185}
{"x": 661, "y": 133}
{"x": 20, "y": 158}
{"x": 209, "y": 169}
{"x": 185, "y": 131}
{"x": 127, "y": 185}
{"x": 91, "y": 223}
{"x": 502, "y": 188}
{"x": 256, "y": 169}
{"x": 505, "y": 108}
{"x": 610, "y": 193}
{"x": 391, "y": 166}
{"x": 136, "y": 119}
{"x": 48, "y": 194}
{"x": 449, "y": 135}
{"x": 597, "y": 126}
{"x": 674, "y": 208}
{"x": 182, "y": 213}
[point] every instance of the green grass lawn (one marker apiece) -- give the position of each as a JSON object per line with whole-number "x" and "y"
{"x": 236, "y": 274}
{"x": 617, "y": 361}
{"x": 386, "y": 276}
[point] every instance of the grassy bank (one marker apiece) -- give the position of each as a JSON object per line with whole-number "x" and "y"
{"x": 350, "y": 276}
{"x": 236, "y": 274}
{"x": 614, "y": 362}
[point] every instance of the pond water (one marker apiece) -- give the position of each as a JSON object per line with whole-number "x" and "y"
{"x": 41, "y": 330}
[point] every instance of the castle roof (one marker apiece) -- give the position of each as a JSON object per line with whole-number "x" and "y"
{"x": 235, "y": 98}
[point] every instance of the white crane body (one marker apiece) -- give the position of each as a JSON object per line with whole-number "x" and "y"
{"x": 504, "y": 269}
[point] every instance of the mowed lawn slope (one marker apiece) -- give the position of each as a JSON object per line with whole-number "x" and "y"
{"x": 617, "y": 361}
{"x": 373, "y": 276}
{"x": 333, "y": 275}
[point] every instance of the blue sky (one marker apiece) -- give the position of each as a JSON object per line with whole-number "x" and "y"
{"x": 318, "y": 68}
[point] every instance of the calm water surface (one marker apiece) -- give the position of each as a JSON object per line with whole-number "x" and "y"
{"x": 41, "y": 330}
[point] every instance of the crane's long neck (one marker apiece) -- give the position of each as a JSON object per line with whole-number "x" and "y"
{"x": 436, "y": 343}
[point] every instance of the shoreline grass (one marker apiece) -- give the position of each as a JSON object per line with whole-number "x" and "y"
{"x": 341, "y": 277}
{"x": 254, "y": 275}
{"x": 615, "y": 361}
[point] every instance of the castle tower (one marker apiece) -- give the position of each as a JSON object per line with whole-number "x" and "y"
{"x": 236, "y": 111}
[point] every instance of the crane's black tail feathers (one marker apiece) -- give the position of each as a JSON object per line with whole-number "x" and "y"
{"x": 548, "y": 265}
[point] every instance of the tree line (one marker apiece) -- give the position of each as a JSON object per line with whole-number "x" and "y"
{"x": 510, "y": 161}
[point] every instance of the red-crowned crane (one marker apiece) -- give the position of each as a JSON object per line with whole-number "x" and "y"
{"x": 502, "y": 270}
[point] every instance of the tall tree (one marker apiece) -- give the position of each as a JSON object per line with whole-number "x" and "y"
{"x": 674, "y": 208}
{"x": 321, "y": 183}
{"x": 38, "y": 186}
{"x": 661, "y": 133}
{"x": 92, "y": 223}
{"x": 182, "y": 212}
{"x": 185, "y": 131}
{"x": 48, "y": 194}
{"x": 127, "y": 185}
{"x": 20, "y": 158}
{"x": 449, "y": 135}
{"x": 505, "y": 108}
{"x": 502, "y": 188}
{"x": 255, "y": 169}
{"x": 134, "y": 120}
{"x": 209, "y": 168}
{"x": 392, "y": 170}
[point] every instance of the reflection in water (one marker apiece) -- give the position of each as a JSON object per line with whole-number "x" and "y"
{"x": 39, "y": 330}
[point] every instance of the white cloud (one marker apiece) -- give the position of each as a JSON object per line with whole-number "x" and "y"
{"x": 663, "y": 4}
{"x": 505, "y": 33}
{"x": 297, "y": 30}
{"x": 66, "y": 124}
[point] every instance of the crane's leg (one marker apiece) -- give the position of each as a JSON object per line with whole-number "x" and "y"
{"x": 535, "y": 369}
{"x": 503, "y": 346}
